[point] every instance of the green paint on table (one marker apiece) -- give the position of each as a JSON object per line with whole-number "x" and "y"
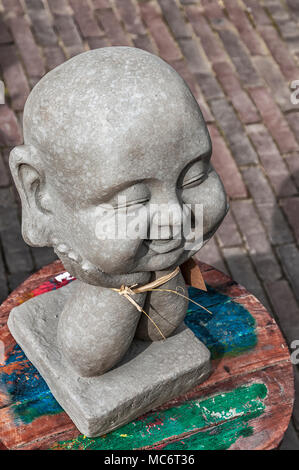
{"x": 216, "y": 423}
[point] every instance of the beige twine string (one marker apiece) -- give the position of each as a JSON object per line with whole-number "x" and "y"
{"x": 128, "y": 292}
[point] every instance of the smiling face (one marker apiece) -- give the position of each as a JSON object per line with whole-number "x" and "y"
{"x": 119, "y": 127}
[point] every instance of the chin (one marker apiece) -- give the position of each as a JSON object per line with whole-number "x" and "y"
{"x": 159, "y": 262}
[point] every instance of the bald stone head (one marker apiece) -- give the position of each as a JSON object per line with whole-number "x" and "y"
{"x": 112, "y": 124}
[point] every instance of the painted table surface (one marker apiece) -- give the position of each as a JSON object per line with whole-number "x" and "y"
{"x": 245, "y": 404}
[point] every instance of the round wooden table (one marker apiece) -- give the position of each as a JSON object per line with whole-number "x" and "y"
{"x": 245, "y": 404}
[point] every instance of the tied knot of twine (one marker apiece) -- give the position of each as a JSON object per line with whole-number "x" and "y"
{"x": 125, "y": 290}
{"x": 128, "y": 292}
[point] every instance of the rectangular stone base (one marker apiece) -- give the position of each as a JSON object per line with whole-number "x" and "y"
{"x": 149, "y": 375}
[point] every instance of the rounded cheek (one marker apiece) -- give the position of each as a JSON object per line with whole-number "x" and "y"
{"x": 115, "y": 256}
{"x": 108, "y": 250}
{"x": 211, "y": 195}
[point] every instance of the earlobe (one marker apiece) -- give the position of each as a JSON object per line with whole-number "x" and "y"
{"x": 29, "y": 178}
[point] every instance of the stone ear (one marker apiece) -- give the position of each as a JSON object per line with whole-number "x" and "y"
{"x": 30, "y": 182}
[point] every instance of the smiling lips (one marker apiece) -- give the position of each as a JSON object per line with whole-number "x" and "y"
{"x": 164, "y": 246}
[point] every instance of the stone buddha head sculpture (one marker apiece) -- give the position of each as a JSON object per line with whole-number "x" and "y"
{"x": 115, "y": 130}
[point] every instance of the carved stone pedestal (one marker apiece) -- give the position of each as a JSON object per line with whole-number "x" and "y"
{"x": 149, "y": 375}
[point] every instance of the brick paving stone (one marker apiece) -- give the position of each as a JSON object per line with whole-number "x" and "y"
{"x": 112, "y": 28}
{"x": 239, "y": 98}
{"x": 226, "y": 167}
{"x": 14, "y": 77}
{"x": 290, "y": 440}
{"x": 256, "y": 240}
{"x": 210, "y": 254}
{"x": 28, "y": 49}
{"x": 15, "y": 279}
{"x": 213, "y": 11}
{"x": 16, "y": 252}
{"x": 247, "y": 217}
{"x": 257, "y": 12}
{"x": 34, "y": 4}
{"x": 280, "y": 52}
{"x": 240, "y": 58}
{"x": 42, "y": 256}
{"x": 188, "y": 2}
{"x": 3, "y": 290}
{"x": 205, "y": 109}
{"x": 5, "y": 36}
{"x": 275, "y": 223}
{"x": 274, "y": 119}
{"x": 10, "y": 133}
{"x": 175, "y": 19}
{"x": 165, "y": 42}
{"x": 95, "y": 43}
{"x": 292, "y": 160}
{"x": 293, "y": 122}
{"x": 289, "y": 257}
{"x": 285, "y": 308}
{"x": 276, "y": 10}
{"x": 60, "y": 7}
{"x": 54, "y": 57}
{"x": 194, "y": 56}
{"x": 258, "y": 185}
{"x": 290, "y": 207}
{"x": 209, "y": 40}
{"x": 228, "y": 233}
{"x": 242, "y": 269}
{"x": 130, "y": 16}
{"x": 69, "y": 33}
{"x": 72, "y": 51}
{"x": 4, "y": 177}
{"x": 101, "y": 4}
{"x": 270, "y": 71}
{"x": 7, "y": 198}
{"x": 9, "y": 218}
{"x": 5, "y": 154}
{"x": 13, "y": 7}
{"x": 3, "y": 280}
{"x": 208, "y": 85}
{"x": 9, "y": 208}
{"x": 289, "y": 31}
{"x": 273, "y": 163}
{"x": 249, "y": 36}
{"x": 296, "y": 404}
{"x": 144, "y": 42}
{"x": 293, "y": 6}
{"x": 263, "y": 257}
{"x": 287, "y": 27}
{"x": 232, "y": 128}
{"x": 181, "y": 67}
{"x": 41, "y": 24}
{"x": 85, "y": 19}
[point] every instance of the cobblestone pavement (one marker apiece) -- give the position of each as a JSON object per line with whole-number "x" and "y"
{"x": 239, "y": 58}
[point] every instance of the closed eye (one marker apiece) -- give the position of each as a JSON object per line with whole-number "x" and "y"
{"x": 194, "y": 181}
{"x": 134, "y": 195}
{"x": 132, "y": 203}
{"x": 194, "y": 174}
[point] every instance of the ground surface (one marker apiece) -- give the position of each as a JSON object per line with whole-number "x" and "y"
{"x": 239, "y": 58}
